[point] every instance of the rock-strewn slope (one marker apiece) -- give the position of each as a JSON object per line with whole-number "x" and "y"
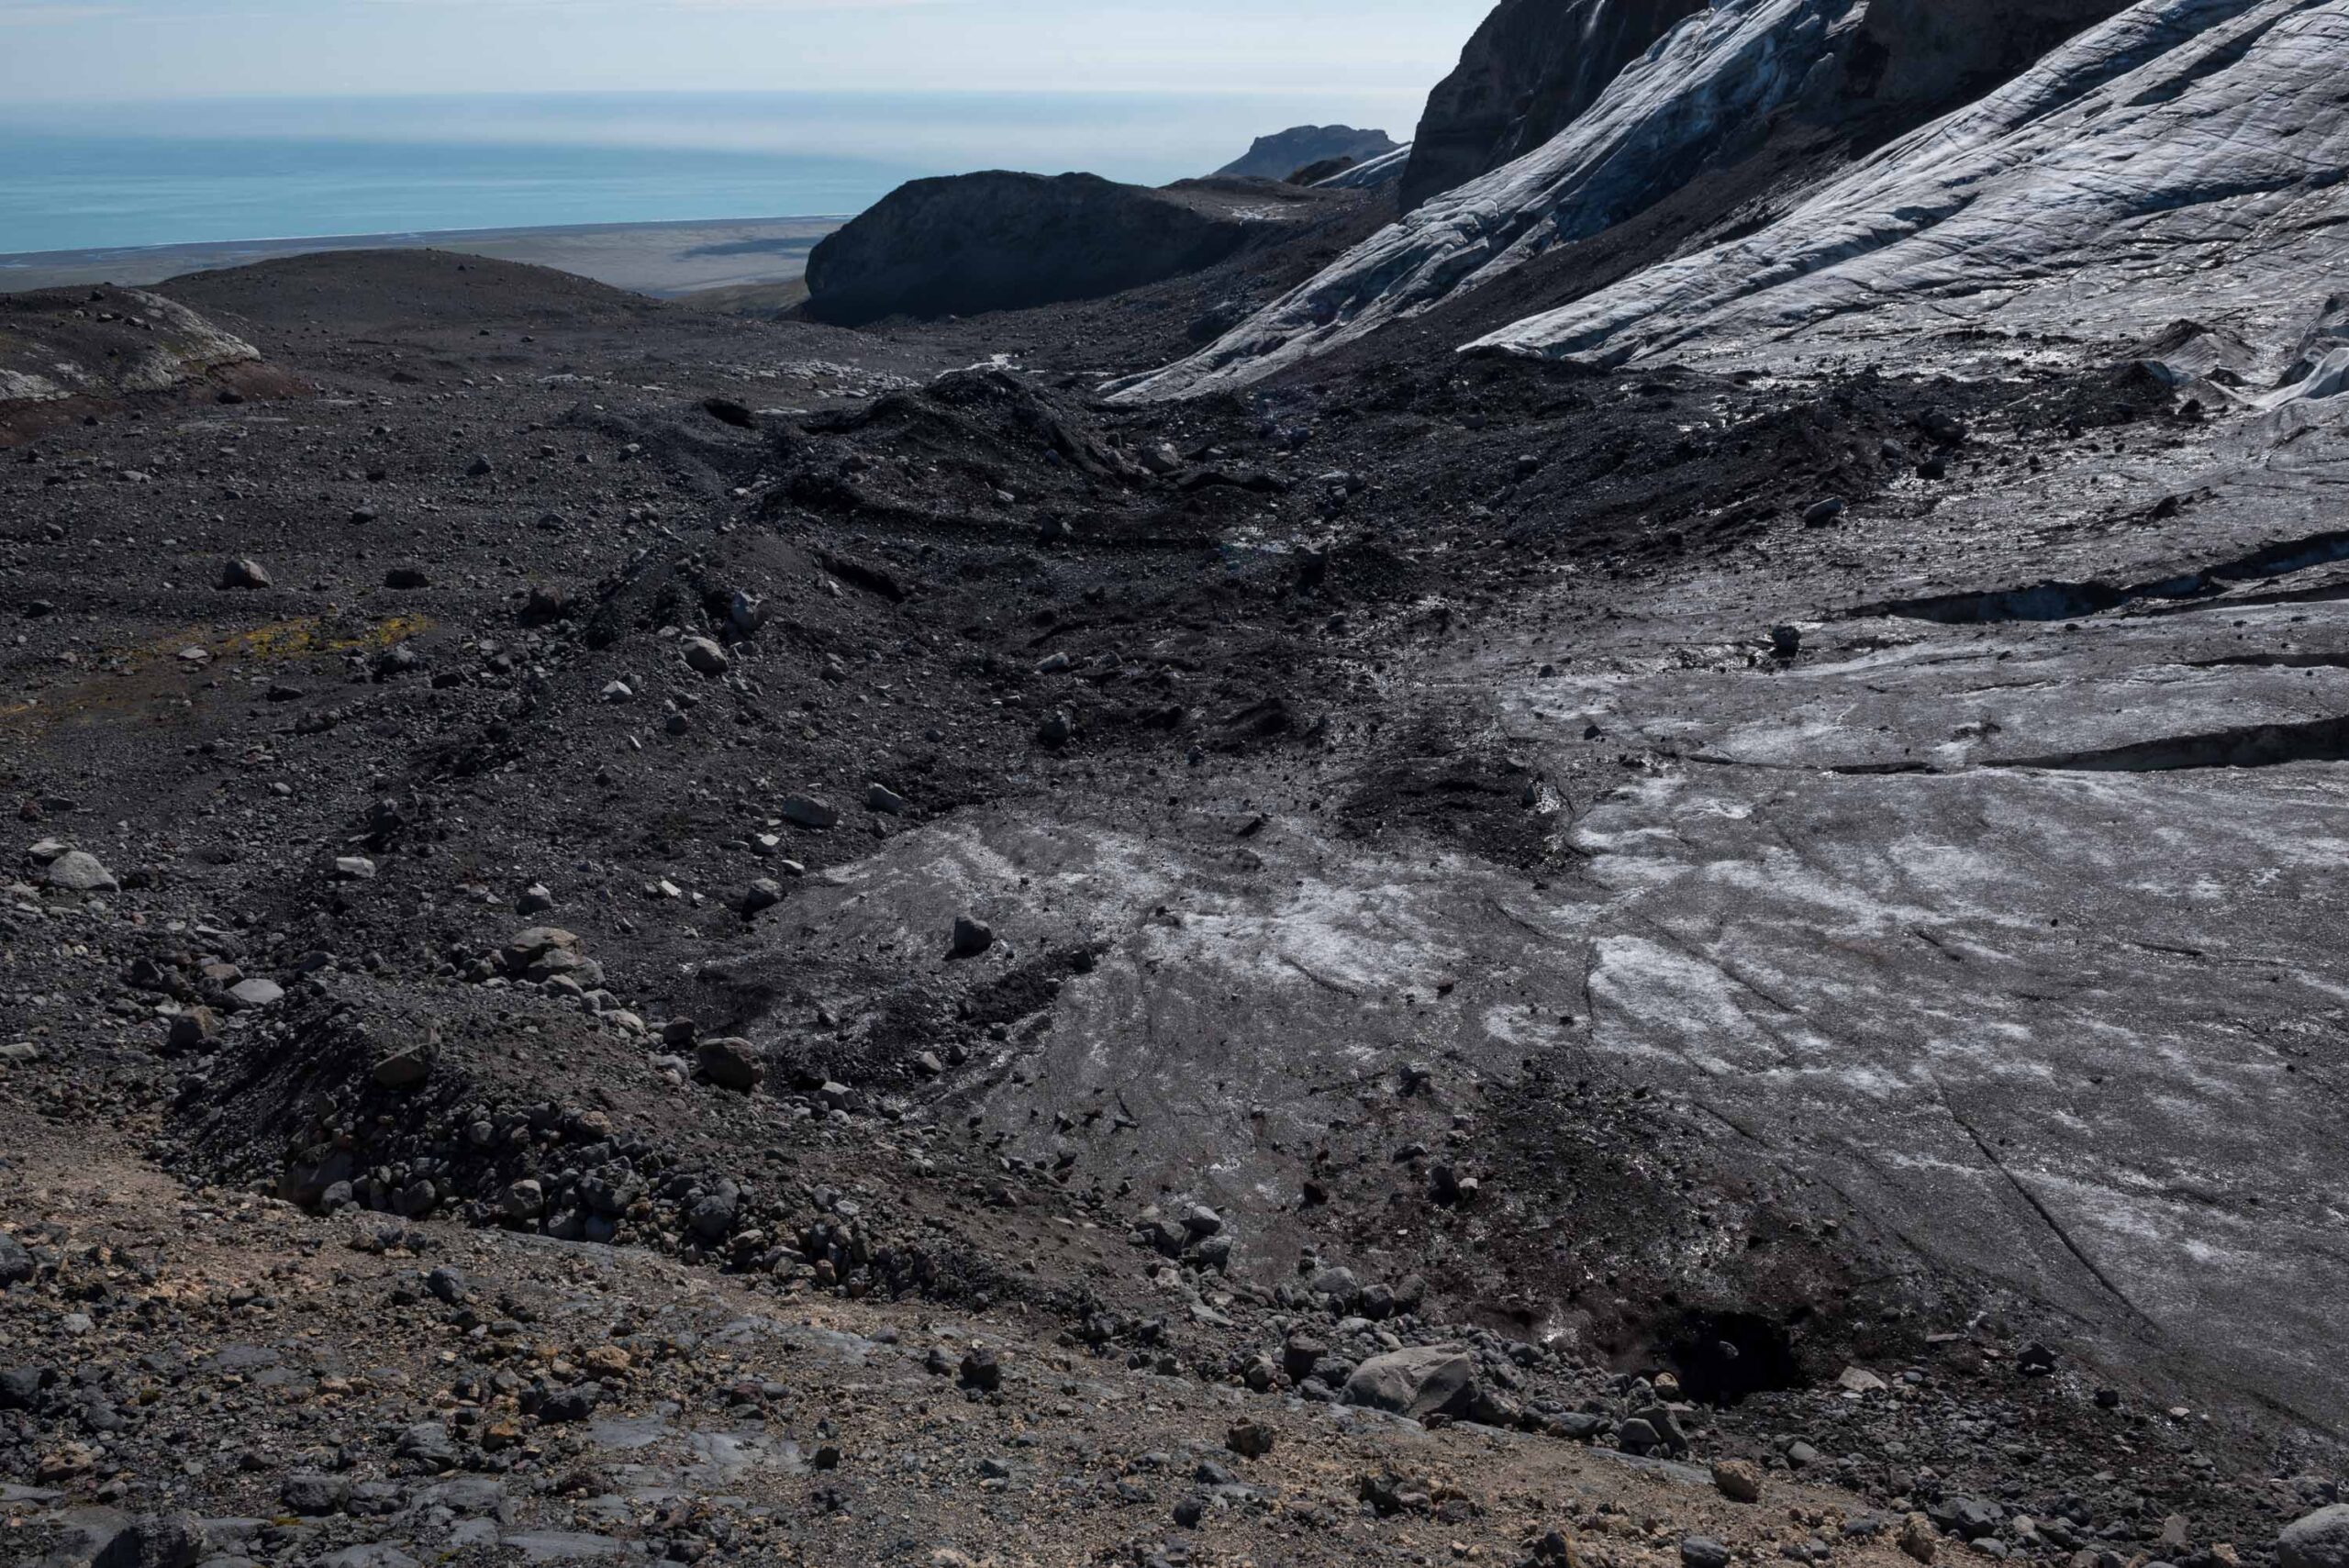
{"x": 1004, "y": 241}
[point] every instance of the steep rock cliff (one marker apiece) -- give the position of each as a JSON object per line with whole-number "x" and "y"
{"x": 1525, "y": 74}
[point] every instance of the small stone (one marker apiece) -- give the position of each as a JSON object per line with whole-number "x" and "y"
{"x": 764, "y": 893}
{"x": 406, "y": 578}
{"x": 1971, "y": 1518}
{"x": 746, "y": 614}
{"x": 1737, "y": 1480}
{"x": 880, "y": 797}
{"x": 254, "y": 994}
{"x": 527, "y": 948}
{"x": 405, "y": 1068}
{"x": 704, "y": 657}
{"x": 66, "y": 1464}
{"x": 522, "y": 1201}
{"x": 970, "y": 937}
{"x": 314, "y": 1495}
{"x": 980, "y": 1369}
{"x": 1702, "y": 1551}
{"x": 730, "y": 1063}
{"x": 354, "y": 868}
{"x": 1917, "y": 1537}
{"x": 806, "y": 811}
{"x": 1786, "y": 641}
{"x": 710, "y": 1217}
{"x": 192, "y": 1029}
{"x": 244, "y": 572}
{"x": 1819, "y": 514}
{"x": 1054, "y": 730}
{"x": 1249, "y": 1439}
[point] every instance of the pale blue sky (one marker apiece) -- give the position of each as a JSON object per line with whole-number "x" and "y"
{"x": 1382, "y": 54}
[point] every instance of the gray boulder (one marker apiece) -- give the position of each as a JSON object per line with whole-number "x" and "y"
{"x": 2320, "y": 1539}
{"x": 730, "y": 1063}
{"x": 78, "y": 870}
{"x": 16, "y": 1263}
{"x": 1426, "y": 1379}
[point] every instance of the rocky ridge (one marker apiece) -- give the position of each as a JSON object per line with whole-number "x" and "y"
{"x": 1278, "y": 156}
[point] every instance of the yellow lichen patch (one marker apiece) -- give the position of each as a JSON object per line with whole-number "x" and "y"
{"x": 304, "y": 635}
{"x": 132, "y": 679}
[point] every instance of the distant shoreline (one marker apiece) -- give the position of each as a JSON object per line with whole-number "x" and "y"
{"x": 663, "y": 258}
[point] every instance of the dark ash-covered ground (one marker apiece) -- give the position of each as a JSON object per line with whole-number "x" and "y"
{"x": 1916, "y": 1033}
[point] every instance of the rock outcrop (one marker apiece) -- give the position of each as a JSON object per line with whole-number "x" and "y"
{"x": 1005, "y": 241}
{"x": 1938, "y": 52}
{"x": 1281, "y": 154}
{"x": 1526, "y": 74}
{"x": 2163, "y": 165}
{"x": 59, "y": 347}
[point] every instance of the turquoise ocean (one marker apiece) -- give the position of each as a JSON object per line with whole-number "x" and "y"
{"x": 81, "y": 177}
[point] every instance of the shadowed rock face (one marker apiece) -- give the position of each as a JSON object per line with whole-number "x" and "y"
{"x": 1533, "y": 67}
{"x": 1930, "y": 52}
{"x": 1005, "y": 241}
{"x": 1529, "y": 71}
{"x": 1281, "y": 154}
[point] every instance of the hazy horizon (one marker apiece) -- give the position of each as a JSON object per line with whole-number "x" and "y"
{"x": 127, "y": 52}
{"x": 105, "y": 177}
{"x": 147, "y": 122}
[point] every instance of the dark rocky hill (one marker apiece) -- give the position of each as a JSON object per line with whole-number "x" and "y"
{"x": 1003, "y": 242}
{"x": 1276, "y": 156}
